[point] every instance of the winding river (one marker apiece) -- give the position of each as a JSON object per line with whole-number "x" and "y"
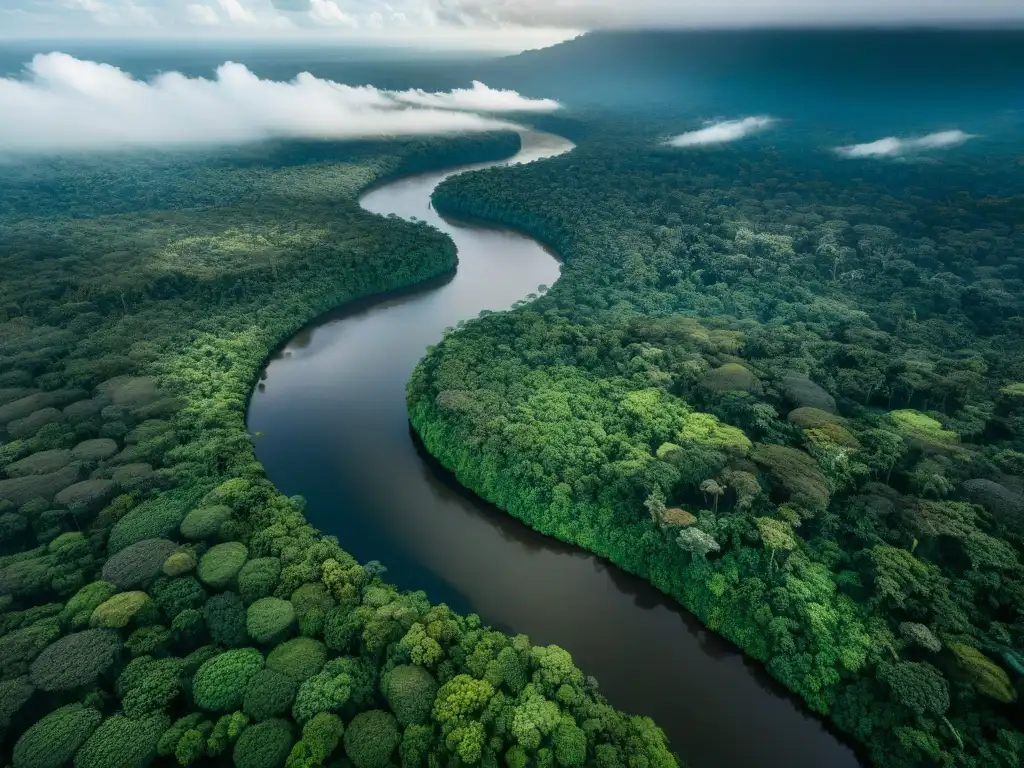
{"x": 331, "y": 407}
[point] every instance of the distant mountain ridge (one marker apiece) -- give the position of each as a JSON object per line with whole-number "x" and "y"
{"x": 751, "y": 70}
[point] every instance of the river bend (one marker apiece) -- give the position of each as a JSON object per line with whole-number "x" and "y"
{"x": 331, "y": 408}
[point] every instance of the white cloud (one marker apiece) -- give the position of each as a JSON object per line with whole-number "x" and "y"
{"x": 238, "y": 13}
{"x": 637, "y": 14}
{"x": 328, "y": 12}
{"x": 719, "y": 133}
{"x": 479, "y": 98}
{"x": 113, "y": 12}
{"x": 66, "y": 104}
{"x": 202, "y": 15}
{"x": 892, "y": 146}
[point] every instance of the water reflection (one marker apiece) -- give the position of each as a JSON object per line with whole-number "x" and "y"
{"x": 336, "y": 431}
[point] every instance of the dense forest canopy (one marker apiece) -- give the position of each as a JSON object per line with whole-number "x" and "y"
{"x": 788, "y": 389}
{"x": 160, "y": 600}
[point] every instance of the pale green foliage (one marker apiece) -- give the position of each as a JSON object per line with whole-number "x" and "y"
{"x": 77, "y": 612}
{"x": 299, "y": 658}
{"x": 270, "y": 619}
{"x": 534, "y": 719}
{"x": 221, "y": 564}
{"x": 122, "y": 609}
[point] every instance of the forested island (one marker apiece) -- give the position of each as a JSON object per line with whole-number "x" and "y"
{"x": 788, "y": 389}
{"x": 161, "y": 600}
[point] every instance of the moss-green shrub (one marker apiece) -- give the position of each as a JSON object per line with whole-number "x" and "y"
{"x": 264, "y": 745}
{"x": 221, "y": 564}
{"x": 731, "y": 376}
{"x": 270, "y": 619}
{"x": 156, "y": 518}
{"x": 123, "y": 609}
{"x": 123, "y": 742}
{"x": 53, "y": 740}
{"x": 269, "y": 694}
{"x": 985, "y": 675}
{"x": 299, "y": 659}
{"x": 133, "y": 477}
{"x": 41, "y": 463}
{"x": 174, "y": 595}
{"x": 137, "y": 564}
{"x": 921, "y": 430}
{"x": 180, "y": 562}
{"x": 88, "y": 494}
{"x": 225, "y": 619}
{"x": 258, "y": 578}
{"x": 20, "y": 490}
{"x": 801, "y": 391}
{"x": 220, "y": 683}
{"x": 812, "y": 418}
{"x": 152, "y": 639}
{"x": 796, "y": 473}
{"x": 20, "y": 647}
{"x": 14, "y": 693}
{"x": 76, "y": 660}
{"x": 371, "y": 738}
{"x": 26, "y": 427}
{"x": 320, "y": 737}
{"x": 410, "y": 692}
{"x": 99, "y": 449}
{"x": 205, "y": 522}
{"x": 78, "y": 610}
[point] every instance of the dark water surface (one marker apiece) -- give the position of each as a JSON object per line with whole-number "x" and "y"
{"x": 331, "y": 407}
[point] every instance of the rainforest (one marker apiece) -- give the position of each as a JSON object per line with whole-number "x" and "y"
{"x": 773, "y": 387}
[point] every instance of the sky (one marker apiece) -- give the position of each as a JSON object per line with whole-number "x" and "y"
{"x": 499, "y": 24}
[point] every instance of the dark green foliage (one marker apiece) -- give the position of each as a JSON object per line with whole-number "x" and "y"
{"x": 264, "y": 745}
{"x": 149, "y": 685}
{"x": 94, "y": 450}
{"x": 819, "y": 372}
{"x": 219, "y": 684}
{"x": 87, "y": 495}
{"x": 270, "y": 620}
{"x": 128, "y": 344}
{"x": 53, "y": 741}
{"x": 14, "y": 693}
{"x": 155, "y": 519}
{"x": 19, "y": 647}
{"x": 917, "y": 685}
{"x": 178, "y": 594}
{"x": 269, "y": 694}
{"x": 299, "y": 658}
{"x": 135, "y": 565}
{"x": 225, "y": 619}
{"x": 371, "y": 738}
{"x": 123, "y": 742}
{"x": 76, "y": 660}
{"x": 41, "y": 463}
{"x": 410, "y": 693}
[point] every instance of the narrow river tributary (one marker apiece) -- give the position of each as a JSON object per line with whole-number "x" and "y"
{"x": 331, "y": 407}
